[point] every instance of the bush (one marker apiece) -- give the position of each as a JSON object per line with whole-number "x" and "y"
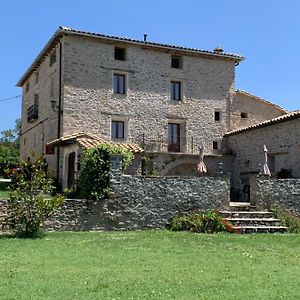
{"x": 201, "y": 222}
{"x": 94, "y": 176}
{"x": 29, "y": 198}
{"x": 288, "y": 219}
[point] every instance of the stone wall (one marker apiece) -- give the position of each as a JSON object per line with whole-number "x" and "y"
{"x": 36, "y": 134}
{"x": 256, "y": 109}
{"x": 269, "y": 192}
{"x": 141, "y": 202}
{"x": 146, "y": 108}
{"x": 282, "y": 141}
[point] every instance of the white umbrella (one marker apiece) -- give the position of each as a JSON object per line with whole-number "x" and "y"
{"x": 201, "y": 166}
{"x": 265, "y": 166}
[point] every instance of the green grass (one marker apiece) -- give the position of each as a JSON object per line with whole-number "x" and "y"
{"x": 150, "y": 265}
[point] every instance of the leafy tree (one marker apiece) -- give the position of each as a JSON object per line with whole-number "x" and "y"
{"x": 30, "y": 201}
{"x": 9, "y": 148}
{"x": 94, "y": 176}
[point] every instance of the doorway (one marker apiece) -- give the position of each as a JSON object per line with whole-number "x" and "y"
{"x": 71, "y": 170}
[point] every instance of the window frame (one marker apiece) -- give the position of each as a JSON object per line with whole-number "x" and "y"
{"x": 219, "y": 114}
{"x": 173, "y": 93}
{"x": 117, "y": 136}
{"x": 120, "y": 56}
{"x": 117, "y": 88}
{"x": 179, "y": 61}
{"x": 217, "y": 143}
{"x": 244, "y": 115}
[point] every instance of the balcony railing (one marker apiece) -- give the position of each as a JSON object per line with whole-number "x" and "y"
{"x": 32, "y": 113}
{"x": 154, "y": 143}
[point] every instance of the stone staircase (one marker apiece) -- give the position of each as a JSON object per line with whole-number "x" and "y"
{"x": 248, "y": 220}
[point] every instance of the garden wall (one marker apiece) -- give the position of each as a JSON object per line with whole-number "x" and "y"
{"x": 269, "y": 192}
{"x": 139, "y": 202}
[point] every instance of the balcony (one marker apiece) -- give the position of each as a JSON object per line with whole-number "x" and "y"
{"x": 32, "y": 113}
{"x": 179, "y": 144}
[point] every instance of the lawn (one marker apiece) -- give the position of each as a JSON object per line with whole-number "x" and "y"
{"x": 150, "y": 265}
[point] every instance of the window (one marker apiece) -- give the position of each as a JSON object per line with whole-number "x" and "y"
{"x": 117, "y": 130}
{"x": 217, "y": 116}
{"x": 174, "y": 137}
{"x": 244, "y": 115}
{"x": 176, "y": 90}
{"x": 119, "y": 84}
{"x": 176, "y": 62}
{"x": 119, "y": 53}
{"x": 53, "y": 57}
{"x": 27, "y": 87}
{"x": 216, "y": 145}
{"x": 36, "y": 77}
{"x": 49, "y": 150}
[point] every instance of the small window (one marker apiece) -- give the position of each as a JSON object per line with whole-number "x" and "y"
{"x": 27, "y": 87}
{"x": 244, "y": 115}
{"x": 36, "y": 77}
{"x": 117, "y": 130}
{"x": 49, "y": 150}
{"x": 176, "y": 62}
{"x": 53, "y": 57}
{"x": 119, "y": 53}
{"x": 217, "y": 116}
{"x": 119, "y": 84}
{"x": 176, "y": 90}
{"x": 216, "y": 145}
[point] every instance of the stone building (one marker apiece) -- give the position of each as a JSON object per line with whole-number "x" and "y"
{"x": 165, "y": 98}
{"x": 281, "y": 135}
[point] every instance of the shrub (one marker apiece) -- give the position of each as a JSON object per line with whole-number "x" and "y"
{"x": 288, "y": 219}
{"x": 94, "y": 176}
{"x": 29, "y": 198}
{"x": 201, "y": 222}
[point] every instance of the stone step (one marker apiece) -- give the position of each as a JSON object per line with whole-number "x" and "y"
{"x": 254, "y": 221}
{"x": 246, "y": 214}
{"x": 241, "y": 206}
{"x": 261, "y": 229}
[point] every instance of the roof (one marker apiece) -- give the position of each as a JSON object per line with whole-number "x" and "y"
{"x": 89, "y": 140}
{"x": 279, "y": 108}
{"x": 152, "y": 45}
{"x": 284, "y": 118}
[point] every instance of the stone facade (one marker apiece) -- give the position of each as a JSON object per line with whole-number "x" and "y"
{"x": 35, "y": 134}
{"x": 140, "y": 202}
{"x": 283, "y": 143}
{"x": 146, "y": 108}
{"x": 268, "y": 193}
{"x": 247, "y": 110}
{"x": 82, "y": 81}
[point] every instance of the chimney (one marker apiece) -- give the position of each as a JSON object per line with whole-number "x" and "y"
{"x": 218, "y": 50}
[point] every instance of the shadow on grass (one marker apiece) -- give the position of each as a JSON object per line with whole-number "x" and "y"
{"x": 37, "y": 236}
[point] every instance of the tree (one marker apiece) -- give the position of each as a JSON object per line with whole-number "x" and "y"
{"x": 9, "y": 148}
{"x": 30, "y": 201}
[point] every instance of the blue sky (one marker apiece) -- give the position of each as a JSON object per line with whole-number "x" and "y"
{"x": 266, "y": 32}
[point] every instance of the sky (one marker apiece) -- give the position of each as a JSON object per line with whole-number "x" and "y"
{"x": 265, "y": 32}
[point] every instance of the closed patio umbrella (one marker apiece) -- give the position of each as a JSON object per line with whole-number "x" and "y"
{"x": 265, "y": 166}
{"x": 201, "y": 166}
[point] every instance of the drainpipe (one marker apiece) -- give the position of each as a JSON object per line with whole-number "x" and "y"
{"x": 59, "y": 110}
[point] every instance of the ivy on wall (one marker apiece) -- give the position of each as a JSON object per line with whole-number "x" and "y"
{"x": 94, "y": 175}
